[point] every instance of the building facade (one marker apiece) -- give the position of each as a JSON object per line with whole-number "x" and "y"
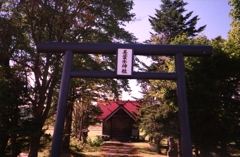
{"x": 119, "y": 119}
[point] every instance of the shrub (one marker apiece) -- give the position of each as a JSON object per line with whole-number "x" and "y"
{"x": 95, "y": 142}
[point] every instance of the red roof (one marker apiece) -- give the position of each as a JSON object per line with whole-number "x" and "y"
{"x": 110, "y": 107}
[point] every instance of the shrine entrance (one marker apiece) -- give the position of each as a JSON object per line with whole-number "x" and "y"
{"x": 125, "y": 53}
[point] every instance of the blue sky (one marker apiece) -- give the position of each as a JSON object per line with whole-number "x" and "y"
{"x": 213, "y": 13}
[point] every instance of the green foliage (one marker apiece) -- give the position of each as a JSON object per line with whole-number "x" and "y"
{"x": 46, "y": 141}
{"x": 212, "y": 93}
{"x": 95, "y": 142}
{"x": 76, "y": 145}
{"x": 12, "y": 88}
{"x": 84, "y": 114}
{"x": 171, "y": 20}
{"x": 159, "y": 120}
{"x": 233, "y": 42}
{"x": 25, "y": 23}
{"x": 213, "y": 97}
{"x": 235, "y": 11}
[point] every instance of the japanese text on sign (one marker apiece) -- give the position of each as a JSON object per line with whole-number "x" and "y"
{"x": 124, "y": 62}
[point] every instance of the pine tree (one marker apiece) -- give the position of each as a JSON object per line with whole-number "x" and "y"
{"x": 171, "y": 21}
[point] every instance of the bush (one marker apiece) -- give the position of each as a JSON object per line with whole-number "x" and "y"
{"x": 96, "y": 142}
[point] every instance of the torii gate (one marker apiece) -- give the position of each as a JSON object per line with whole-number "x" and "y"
{"x": 178, "y": 51}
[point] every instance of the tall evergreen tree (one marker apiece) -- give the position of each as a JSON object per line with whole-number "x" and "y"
{"x": 171, "y": 20}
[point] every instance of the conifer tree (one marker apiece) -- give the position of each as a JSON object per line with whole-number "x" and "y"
{"x": 171, "y": 20}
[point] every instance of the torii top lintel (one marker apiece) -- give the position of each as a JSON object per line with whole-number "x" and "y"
{"x": 111, "y": 48}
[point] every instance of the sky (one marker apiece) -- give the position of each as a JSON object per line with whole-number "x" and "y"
{"x": 213, "y": 13}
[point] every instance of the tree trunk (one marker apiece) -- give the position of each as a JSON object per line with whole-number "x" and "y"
{"x": 34, "y": 145}
{"x": 68, "y": 127}
{"x": 223, "y": 151}
{"x": 157, "y": 142}
{"x": 179, "y": 146}
{"x": 4, "y": 132}
{"x": 14, "y": 120}
{"x": 3, "y": 144}
{"x": 76, "y": 123}
{"x": 80, "y": 129}
{"x": 14, "y": 152}
{"x": 75, "y": 128}
{"x": 82, "y": 125}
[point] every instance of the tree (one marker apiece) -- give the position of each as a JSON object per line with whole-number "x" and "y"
{"x": 213, "y": 95}
{"x": 170, "y": 22}
{"x": 235, "y": 11}
{"x": 157, "y": 121}
{"x": 72, "y": 21}
{"x": 233, "y": 41}
{"x": 85, "y": 114}
{"x": 159, "y": 118}
{"x": 12, "y": 86}
{"x": 10, "y": 101}
{"x": 80, "y": 109}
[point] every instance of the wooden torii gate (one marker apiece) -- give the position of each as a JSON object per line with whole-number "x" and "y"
{"x": 178, "y": 51}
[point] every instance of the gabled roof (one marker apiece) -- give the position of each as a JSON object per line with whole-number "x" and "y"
{"x": 109, "y": 108}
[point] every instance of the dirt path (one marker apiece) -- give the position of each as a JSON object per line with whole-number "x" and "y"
{"x": 120, "y": 149}
{"x": 117, "y": 149}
